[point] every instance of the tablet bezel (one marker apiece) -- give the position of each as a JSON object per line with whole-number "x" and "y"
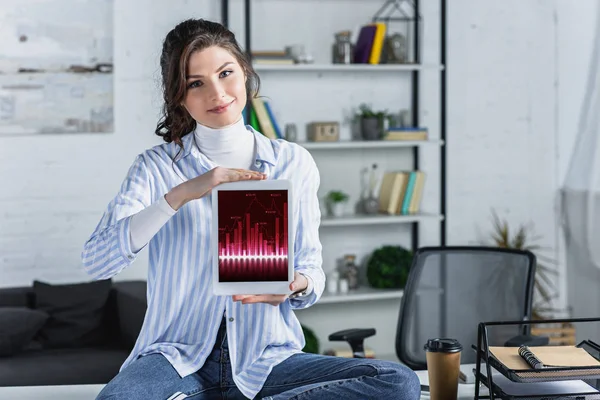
{"x": 258, "y": 287}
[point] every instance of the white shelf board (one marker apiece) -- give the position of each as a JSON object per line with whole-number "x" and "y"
{"x": 367, "y": 144}
{"x": 367, "y": 293}
{"x": 377, "y": 219}
{"x": 360, "y": 294}
{"x": 347, "y": 67}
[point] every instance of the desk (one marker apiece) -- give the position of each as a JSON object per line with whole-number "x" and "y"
{"x": 63, "y": 392}
{"x": 85, "y": 392}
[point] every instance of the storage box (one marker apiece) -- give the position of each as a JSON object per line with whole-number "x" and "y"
{"x": 323, "y": 131}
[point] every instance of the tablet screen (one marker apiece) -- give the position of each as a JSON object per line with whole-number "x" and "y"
{"x": 253, "y": 235}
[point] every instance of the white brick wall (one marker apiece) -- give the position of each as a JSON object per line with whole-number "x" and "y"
{"x": 508, "y": 122}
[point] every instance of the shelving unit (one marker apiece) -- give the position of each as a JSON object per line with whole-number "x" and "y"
{"x": 414, "y": 72}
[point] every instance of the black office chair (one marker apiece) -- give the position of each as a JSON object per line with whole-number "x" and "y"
{"x": 449, "y": 291}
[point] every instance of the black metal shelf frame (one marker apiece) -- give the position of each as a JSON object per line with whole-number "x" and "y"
{"x": 484, "y": 356}
{"x": 415, "y": 82}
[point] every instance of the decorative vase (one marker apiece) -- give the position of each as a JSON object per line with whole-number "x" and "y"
{"x": 351, "y": 271}
{"x": 370, "y": 128}
{"x": 371, "y": 205}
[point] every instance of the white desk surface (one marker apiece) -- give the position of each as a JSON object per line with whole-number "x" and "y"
{"x": 84, "y": 392}
{"x": 63, "y": 392}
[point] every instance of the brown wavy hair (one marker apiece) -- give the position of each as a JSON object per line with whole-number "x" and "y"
{"x": 180, "y": 43}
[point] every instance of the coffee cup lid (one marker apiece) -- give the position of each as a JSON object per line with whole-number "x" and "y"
{"x": 443, "y": 345}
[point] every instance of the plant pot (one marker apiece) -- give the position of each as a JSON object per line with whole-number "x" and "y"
{"x": 337, "y": 209}
{"x": 370, "y": 128}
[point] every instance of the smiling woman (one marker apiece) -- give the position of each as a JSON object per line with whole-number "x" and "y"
{"x": 194, "y": 343}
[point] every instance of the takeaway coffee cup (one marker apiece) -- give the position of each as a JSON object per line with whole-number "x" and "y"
{"x": 443, "y": 368}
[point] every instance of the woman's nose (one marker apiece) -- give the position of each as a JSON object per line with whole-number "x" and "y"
{"x": 217, "y": 91}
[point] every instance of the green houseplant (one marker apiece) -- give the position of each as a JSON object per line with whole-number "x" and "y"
{"x": 524, "y": 238}
{"x": 336, "y": 202}
{"x": 371, "y": 122}
{"x": 311, "y": 341}
{"x": 388, "y": 267}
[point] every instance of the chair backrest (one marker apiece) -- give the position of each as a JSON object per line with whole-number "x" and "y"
{"x": 451, "y": 289}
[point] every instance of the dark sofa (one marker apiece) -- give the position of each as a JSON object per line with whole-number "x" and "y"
{"x": 121, "y": 319}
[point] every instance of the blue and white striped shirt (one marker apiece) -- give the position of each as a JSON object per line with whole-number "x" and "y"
{"x": 183, "y": 316}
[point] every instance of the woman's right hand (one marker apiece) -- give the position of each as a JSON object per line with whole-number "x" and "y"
{"x": 201, "y": 185}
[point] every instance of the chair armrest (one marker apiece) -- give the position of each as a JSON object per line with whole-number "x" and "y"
{"x": 131, "y": 308}
{"x": 352, "y": 334}
{"x": 355, "y": 338}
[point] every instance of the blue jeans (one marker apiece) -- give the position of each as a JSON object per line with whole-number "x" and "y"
{"x": 302, "y": 376}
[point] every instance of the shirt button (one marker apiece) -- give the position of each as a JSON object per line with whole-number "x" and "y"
{"x": 130, "y": 257}
{"x": 231, "y": 319}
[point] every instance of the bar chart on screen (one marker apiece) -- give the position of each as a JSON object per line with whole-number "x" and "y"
{"x": 253, "y": 236}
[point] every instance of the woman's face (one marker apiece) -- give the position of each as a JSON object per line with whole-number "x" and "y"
{"x": 216, "y": 87}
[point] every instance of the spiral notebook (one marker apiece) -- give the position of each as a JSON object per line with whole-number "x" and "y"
{"x": 571, "y": 357}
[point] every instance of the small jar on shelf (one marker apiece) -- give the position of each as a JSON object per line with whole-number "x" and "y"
{"x": 342, "y": 49}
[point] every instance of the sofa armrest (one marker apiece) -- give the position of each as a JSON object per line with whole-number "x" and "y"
{"x": 131, "y": 308}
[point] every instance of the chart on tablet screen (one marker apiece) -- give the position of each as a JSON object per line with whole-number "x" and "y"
{"x": 253, "y": 235}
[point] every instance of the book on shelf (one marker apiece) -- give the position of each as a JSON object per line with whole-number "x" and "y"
{"x": 401, "y": 192}
{"x": 275, "y": 57}
{"x": 262, "y": 118}
{"x": 369, "y": 44}
{"x": 405, "y": 133}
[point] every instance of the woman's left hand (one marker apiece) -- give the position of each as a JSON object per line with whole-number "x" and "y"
{"x": 299, "y": 284}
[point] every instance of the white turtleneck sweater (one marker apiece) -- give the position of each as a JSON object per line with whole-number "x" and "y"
{"x": 230, "y": 147}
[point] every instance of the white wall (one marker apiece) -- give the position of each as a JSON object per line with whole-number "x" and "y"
{"x": 515, "y": 76}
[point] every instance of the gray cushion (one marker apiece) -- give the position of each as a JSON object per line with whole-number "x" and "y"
{"x": 61, "y": 367}
{"x": 18, "y": 325}
{"x": 76, "y": 313}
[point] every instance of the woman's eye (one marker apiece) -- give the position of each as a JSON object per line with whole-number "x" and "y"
{"x": 194, "y": 84}
{"x": 225, "y": 73}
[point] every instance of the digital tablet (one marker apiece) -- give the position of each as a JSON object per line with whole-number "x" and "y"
{"x": 252, "y": 237}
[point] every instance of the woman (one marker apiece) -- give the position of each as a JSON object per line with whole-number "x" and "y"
{"x": 193, "y": 344}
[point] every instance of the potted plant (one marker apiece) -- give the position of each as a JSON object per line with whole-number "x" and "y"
{"x": 523, "y": 239}
{"x": 388, "y": 267}
{"x": 311, "y": 341}
{"x": 371, "y": 122}
{"x": 336, "y": 202}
